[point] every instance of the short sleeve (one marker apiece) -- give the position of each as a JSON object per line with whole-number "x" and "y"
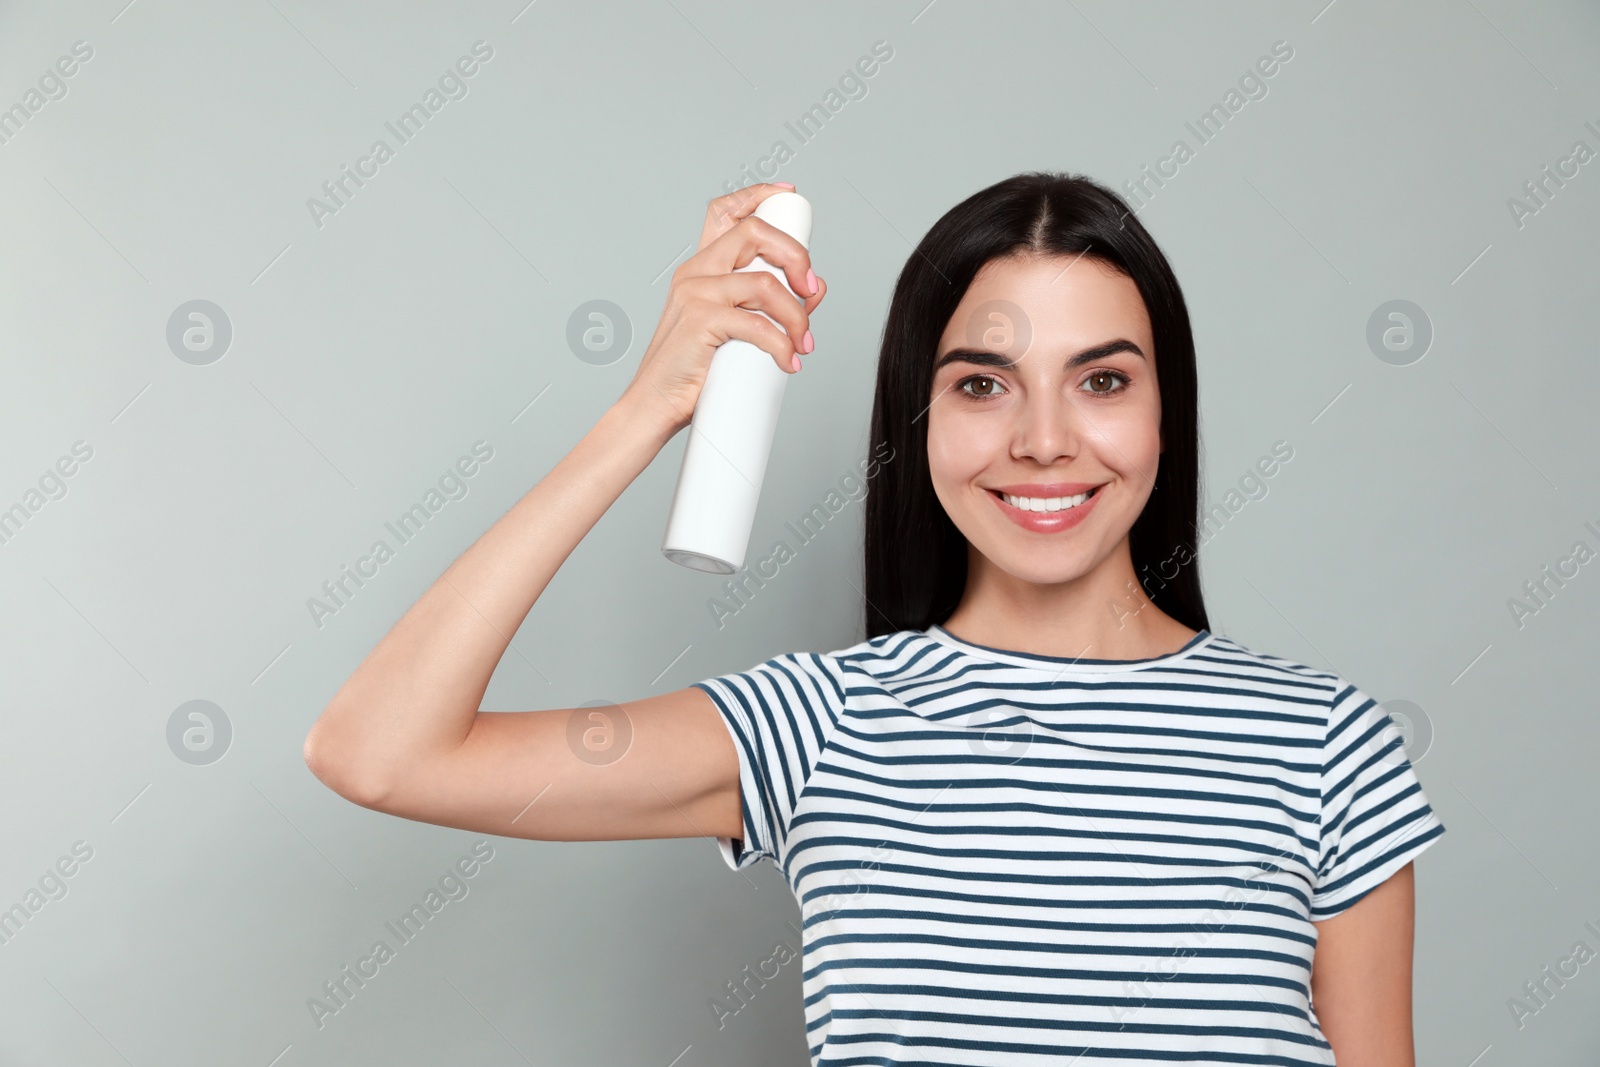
{"x": 780, "y": 714}
{"x": 1375, "y": 816}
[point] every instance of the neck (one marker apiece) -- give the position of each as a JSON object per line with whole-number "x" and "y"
{"x": 1103, "y": 614}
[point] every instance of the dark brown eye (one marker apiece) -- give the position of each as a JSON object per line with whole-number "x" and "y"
{"x": 1109, "y": 376}
{"x": 984, "y": 394}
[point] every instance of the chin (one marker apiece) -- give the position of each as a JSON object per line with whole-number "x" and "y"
{"x": 1039, "y": 571}
{"x": 1037, "y": 563}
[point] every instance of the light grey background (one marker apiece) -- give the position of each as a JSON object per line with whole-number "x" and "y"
{"x": 430, "y": 312}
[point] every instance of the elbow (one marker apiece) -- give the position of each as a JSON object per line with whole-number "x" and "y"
{"x": 342, "y": 771}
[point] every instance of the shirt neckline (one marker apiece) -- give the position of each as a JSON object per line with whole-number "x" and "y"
{"x": 1066, "y": 664}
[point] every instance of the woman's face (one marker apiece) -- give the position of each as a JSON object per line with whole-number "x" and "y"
{"x": 1045, "y": 387}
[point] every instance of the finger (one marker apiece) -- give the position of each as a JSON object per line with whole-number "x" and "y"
{"x": 816, "y": 298}
{"x": 724, "y": 212}
{"x": 736, "y": 323}
{"x": 740, "y": 246}
{"x": 759, "y": 290}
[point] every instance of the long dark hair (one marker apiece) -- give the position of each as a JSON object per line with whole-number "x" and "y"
{"x": 915, "y": 558}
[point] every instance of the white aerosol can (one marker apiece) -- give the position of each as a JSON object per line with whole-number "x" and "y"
{"x": 730, "y": 436}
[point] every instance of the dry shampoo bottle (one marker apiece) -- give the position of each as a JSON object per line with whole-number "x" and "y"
{"x": 730, "y": 436}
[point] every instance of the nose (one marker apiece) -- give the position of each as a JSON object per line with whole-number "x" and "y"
{"x": 1048, "y": 426}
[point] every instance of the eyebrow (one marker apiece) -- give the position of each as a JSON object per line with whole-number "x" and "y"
{"x": 985, "y": 358}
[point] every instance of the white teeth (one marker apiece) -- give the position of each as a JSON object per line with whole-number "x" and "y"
{"x": 1055, "y": 503}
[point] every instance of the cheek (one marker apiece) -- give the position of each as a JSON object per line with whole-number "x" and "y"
{"x": 959, "y": 449}
{"x": 1126, "y": 440}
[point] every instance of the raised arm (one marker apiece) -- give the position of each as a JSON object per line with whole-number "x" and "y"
{"x": 405, "y": 734}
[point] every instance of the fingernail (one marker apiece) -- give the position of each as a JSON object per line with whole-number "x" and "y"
{"x": 784, "y": 185}
{"x": 808, "y": 342}
{"x": 794, "y": 361}
{"x": 811, "y": 280}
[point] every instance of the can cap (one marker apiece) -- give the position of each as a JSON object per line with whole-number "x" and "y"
{"x": 789, "y": 212}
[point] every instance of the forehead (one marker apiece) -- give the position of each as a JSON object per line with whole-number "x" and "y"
{"x": 1066, "y": 301}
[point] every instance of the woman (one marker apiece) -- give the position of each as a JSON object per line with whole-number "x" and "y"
{"x": 1042, "y": 812}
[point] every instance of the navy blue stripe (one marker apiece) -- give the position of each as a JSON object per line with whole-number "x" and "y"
{"x": 1195, "y": 927}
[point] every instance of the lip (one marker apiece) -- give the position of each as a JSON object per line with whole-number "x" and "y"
{"x": 1045, "y": 490}
{"x": 1046, "y": 521}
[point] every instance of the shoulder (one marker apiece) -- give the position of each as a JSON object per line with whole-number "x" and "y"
{"x": 883, "y": 660}
{"x": 1344, "y": 709}
{"x": 823, "y": 677}
{"x": 1230, "y": 657}
{"x": 873, "y": 665}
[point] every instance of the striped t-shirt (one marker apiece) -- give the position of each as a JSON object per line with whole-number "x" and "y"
{"x": 1005, "y": 858}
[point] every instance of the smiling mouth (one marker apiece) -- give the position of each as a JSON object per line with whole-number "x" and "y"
{"x": 1047, "y": 505}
